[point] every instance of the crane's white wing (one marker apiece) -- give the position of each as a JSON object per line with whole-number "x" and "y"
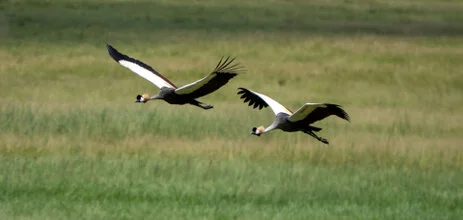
{"x": 220, "y": 76}
{"x": 312, "y": 112}
{"x": 305, "y": 110}
{"x": 194, "y": 86}
{"x": 139, "y": 68}
{"x": 262, "y": 101}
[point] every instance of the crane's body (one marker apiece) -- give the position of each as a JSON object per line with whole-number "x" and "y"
{"x": 288, "y": 121}
{"x": 188, "y": 94}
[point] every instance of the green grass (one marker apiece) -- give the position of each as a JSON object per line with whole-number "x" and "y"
{"x": 143, "y": 187}
{"x": 74, "y": 145}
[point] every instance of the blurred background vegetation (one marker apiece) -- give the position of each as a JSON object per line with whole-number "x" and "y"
{"x": 73, "y": 144}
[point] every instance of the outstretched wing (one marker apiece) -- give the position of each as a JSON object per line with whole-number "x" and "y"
{"x": 312, "y": 112}
{"x": 140, "y": 68}
{"x": 222, "y": 73}
{"x": 262, "y": 101}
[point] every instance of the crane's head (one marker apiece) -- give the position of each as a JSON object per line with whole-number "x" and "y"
{"x": 258, "y": 130}
{"x": 143, "y": 98}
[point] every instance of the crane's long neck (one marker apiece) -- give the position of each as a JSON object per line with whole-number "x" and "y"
{"x": 157, "y": 96}
{"x": 261, "y": 129}
{"x": 271, "y": 127}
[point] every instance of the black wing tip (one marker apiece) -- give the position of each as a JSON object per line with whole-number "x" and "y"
{"x": 109, "y": 47}
{"x": 225, "y": 66}
{"x": 247, "y": 95}
{"x": 116, "y": 55}
{"x": 339, "y": 111}
{"x": 346, "y": 116}
{"x": 242, "y": 90}
{"x": 343, "y": 114}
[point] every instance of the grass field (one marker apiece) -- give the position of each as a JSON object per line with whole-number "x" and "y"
{"x": 74, "y": 145}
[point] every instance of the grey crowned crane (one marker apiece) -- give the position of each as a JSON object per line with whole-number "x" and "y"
{"x": 289, "y": 121}
{"x": 186, "y": 94}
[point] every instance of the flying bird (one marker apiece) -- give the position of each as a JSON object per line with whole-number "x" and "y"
{"x": 286, "y": 120}
{"x": 187, "y": 94}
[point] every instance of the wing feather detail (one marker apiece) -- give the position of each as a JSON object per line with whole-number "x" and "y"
{"x": 312, "y": 112}
{"x": 140, "y": 68}
{"x": 262, "y": 101}
{"x": 223, "y": 72}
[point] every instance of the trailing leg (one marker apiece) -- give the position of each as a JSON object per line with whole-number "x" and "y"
{"x": 313, "y": 128}
{"x": 201, "y": 105}
{"x": 323, "y": 140}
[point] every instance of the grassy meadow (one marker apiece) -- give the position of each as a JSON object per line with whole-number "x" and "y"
{"x": 74, "y": 145}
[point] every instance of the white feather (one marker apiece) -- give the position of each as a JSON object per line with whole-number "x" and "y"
{"x": 274, "y": 105}
{"x": 148, "y": 75}
{"x": 190, "y": 88}
{"x": 305, "y": 110}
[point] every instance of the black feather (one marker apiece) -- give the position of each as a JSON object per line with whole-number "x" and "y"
{"x": 321, "y": 113}
{"x": 254, "y": 100}
{"x": 223, "y": 73}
